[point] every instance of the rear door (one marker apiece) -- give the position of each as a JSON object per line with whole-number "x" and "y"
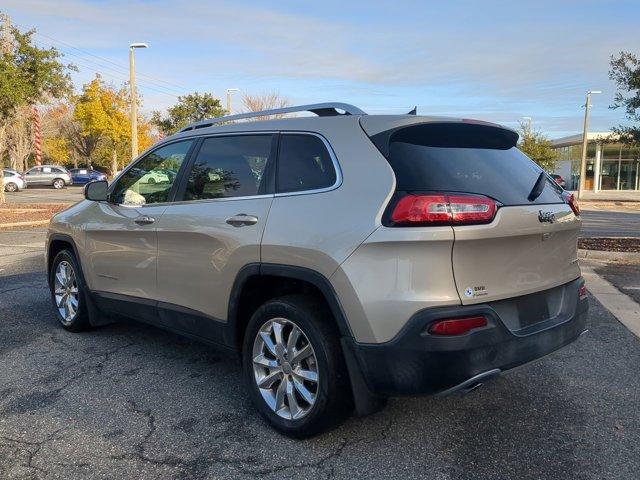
{"x": 530, "y": 244}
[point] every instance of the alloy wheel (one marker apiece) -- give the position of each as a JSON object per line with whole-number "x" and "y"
{"x": 11, "y": 187}
{"x": 58, "y": 184}
{"x": 66, "y": 292}
{"x": 285, "y": 368}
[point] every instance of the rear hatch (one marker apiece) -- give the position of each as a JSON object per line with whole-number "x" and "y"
{"x": 514, "y": 228}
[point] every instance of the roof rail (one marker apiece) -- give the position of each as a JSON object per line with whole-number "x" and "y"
{"x": 321, "y": 109}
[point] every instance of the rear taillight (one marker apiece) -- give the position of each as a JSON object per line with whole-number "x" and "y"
{"x": 442, "y": 209}
{"x": 457, "y": 326}
{"x": 570, "y": 199}
{"x": 582, "y": 291}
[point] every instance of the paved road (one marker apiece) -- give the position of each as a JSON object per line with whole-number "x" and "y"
{"x": 71, "y": 194}
{"x": 131, "y": 401}
{"x": 610, "y": 224}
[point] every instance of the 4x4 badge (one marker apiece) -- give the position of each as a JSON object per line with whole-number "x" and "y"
{"x": 548, "y": 217}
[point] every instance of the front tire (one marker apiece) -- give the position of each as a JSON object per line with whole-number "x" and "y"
{"x": 294, "y": 368}
{"x": 67, "y": 292}
{"x": 11, "y": 187}
{"x": 58, "y": 183}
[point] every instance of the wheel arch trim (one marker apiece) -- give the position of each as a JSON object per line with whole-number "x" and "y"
{"x": 308, "y": 275}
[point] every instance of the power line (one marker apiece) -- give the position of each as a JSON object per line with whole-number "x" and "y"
{"x": 119, "y": 65}
{"x": 121, "y": 76}
{"x": 122, "y": 69}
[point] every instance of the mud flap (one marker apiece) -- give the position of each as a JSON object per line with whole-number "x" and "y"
{"x": 366, "y": 403}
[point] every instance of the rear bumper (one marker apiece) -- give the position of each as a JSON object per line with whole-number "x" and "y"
{"x": 416, "y": 362}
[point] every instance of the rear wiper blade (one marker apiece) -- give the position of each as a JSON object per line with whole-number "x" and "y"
{"x": 538, "y": 187}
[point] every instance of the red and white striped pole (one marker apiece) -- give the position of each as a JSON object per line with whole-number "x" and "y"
{"x": 36, "y": 136}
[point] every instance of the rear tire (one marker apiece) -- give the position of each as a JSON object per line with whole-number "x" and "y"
{"x": 58, "y": 183}
{"x": 68, "y": 292}
{"x": 304, "y": 384}
{"x": 11, "y": 187}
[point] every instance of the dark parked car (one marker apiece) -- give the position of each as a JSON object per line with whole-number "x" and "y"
{"x": 86, "y": 175}
{"x": 559, "y": 180}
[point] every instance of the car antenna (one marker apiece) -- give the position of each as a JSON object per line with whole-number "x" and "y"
{"x": 414, "y": 111}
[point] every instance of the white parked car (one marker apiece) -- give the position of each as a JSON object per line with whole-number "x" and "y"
{"x": 12, "y": 181}
{"x": 155, "y": 177}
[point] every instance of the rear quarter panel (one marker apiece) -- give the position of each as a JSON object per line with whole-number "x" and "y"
{"x": 320, "y": 230}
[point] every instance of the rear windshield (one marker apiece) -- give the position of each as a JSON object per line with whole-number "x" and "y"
{"x": 465, "y": 160}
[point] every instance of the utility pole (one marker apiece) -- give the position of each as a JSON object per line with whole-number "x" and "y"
{"x": 134, "y": 98}
{"x": 229, "y": 92}
{"x": 585, "y": 135}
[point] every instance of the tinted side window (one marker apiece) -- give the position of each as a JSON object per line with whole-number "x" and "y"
{"x": 151, "y": 178}
{"x": 231, "y": 166}
{"x": 303, "y": 164}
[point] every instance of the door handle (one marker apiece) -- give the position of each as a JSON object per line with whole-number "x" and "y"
{"x": 242, "y": 219}
{"x": 144, "y": 220}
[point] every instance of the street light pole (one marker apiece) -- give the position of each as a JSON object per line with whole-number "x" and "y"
{"x": 229, "y": 92}
{"x": 134, "y": 98}
{"x": 585, "y": 134}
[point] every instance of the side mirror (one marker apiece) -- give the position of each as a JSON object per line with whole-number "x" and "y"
{"x": 96, "y": 191}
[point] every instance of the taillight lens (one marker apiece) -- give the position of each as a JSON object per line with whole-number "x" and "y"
{"x": 582, "y": 291}
{"x": 457, "y": 326}
{"x": 443, "y": 209}
{"x": 570, "y": 199}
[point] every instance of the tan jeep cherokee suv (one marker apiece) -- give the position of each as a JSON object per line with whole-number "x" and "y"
{"x": 347, "y": 257}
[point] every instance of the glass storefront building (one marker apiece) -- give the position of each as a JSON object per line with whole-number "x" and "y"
{"x": 610, "y": 166}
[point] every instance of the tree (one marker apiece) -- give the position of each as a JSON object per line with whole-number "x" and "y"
{"x": 266, "y": 101}
{"x": 20, "y": 138}
{"x": 190, "y": 108}
{"x": 56, "y": 146}
{"x": 28, "y": 75}
{"x": 101, "y": 115}
{"x": 538, "y": 147}
{"x": 625, "y": 72}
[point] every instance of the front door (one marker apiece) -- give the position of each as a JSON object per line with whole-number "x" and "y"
{"x": 121, "y": 238}
{"x": 207, "y": 237}
{"x": 35, "y": 176}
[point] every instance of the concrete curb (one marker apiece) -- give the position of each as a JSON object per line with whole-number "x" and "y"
{"x": 34, "y": 223}
{"x": 620, "y": 305}
{"x": 633, "y": 257}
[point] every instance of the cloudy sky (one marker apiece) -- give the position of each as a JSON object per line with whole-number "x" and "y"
{"x": 495, "y": 60}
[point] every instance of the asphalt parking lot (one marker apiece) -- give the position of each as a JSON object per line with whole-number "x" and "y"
{"x": 71, "y": 194}
{"x": 131, "y": 401}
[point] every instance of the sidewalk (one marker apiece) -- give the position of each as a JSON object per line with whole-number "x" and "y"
{"x": 623, "y": 307}
{"x": 610, "y": 195}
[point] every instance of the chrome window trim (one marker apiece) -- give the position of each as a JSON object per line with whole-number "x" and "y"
{"x": 334, "y": 160}
{"x": 221, "y": 199}
{"x": 332, "y": 155}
